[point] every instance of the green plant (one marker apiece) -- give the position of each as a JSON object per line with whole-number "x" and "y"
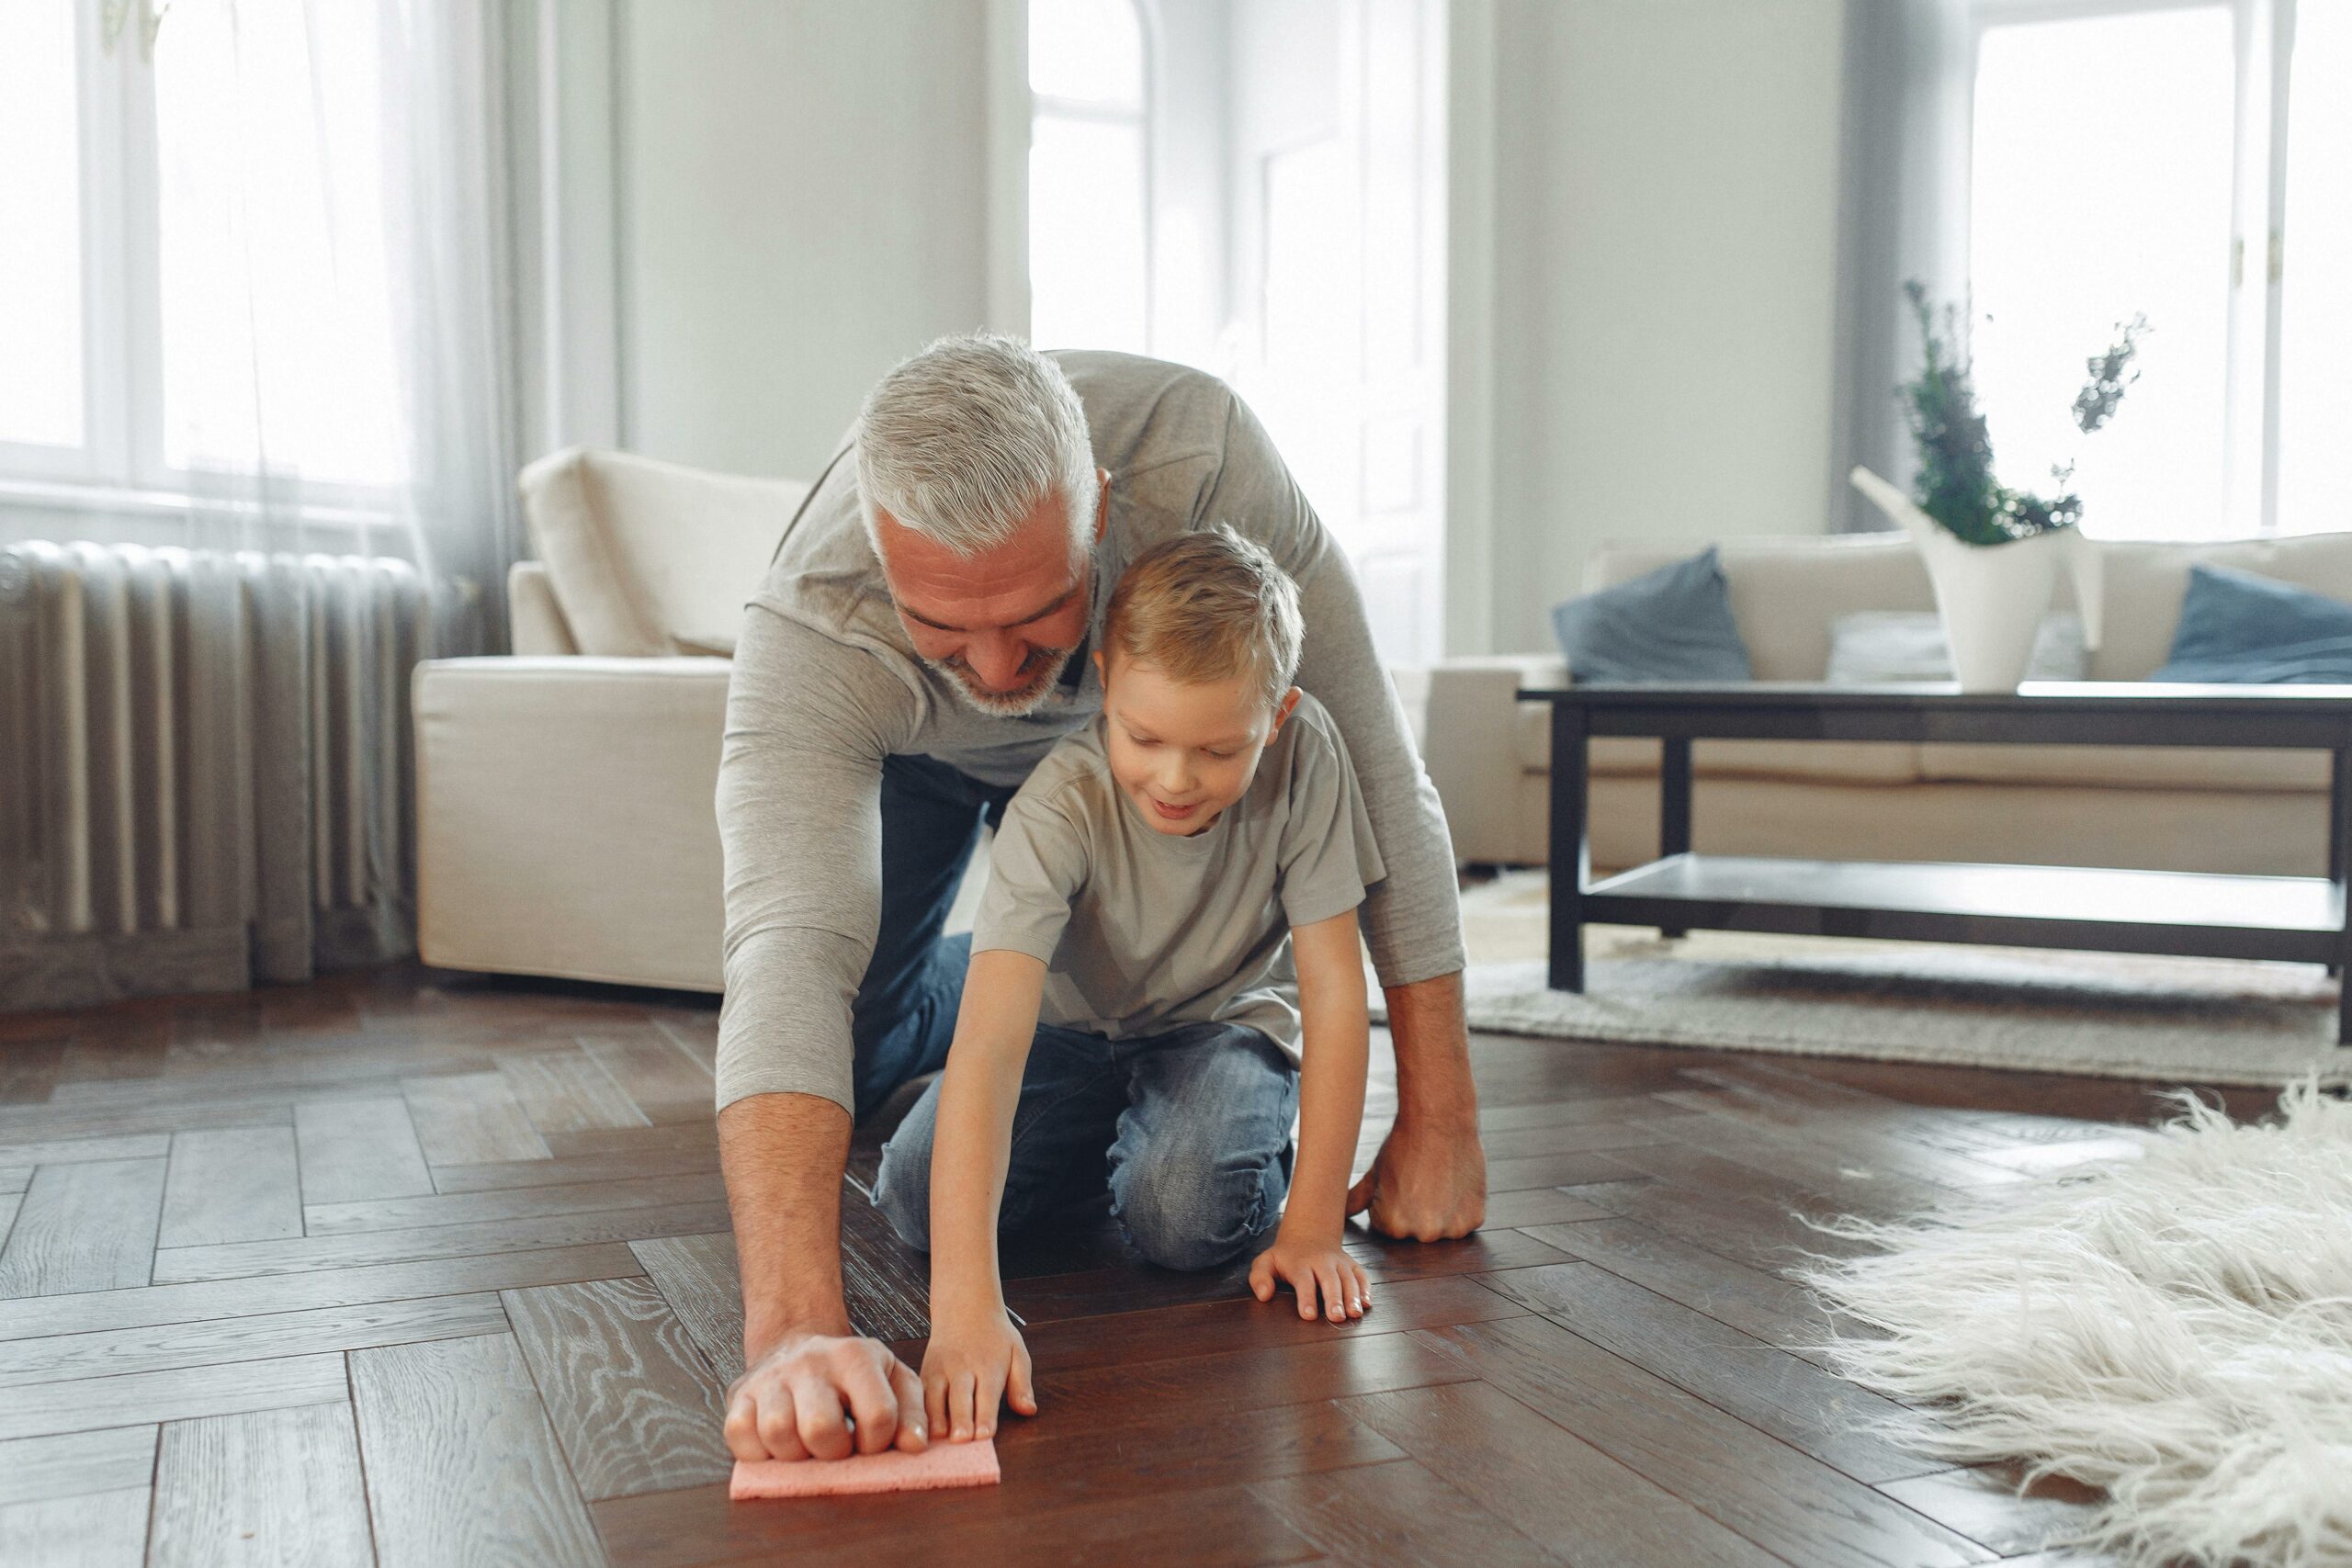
{"x": 1956, "y": 484}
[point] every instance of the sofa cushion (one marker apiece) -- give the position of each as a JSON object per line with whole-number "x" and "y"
{"x": 2236, "y": 626}
{"x": 1673, "y": 623}
{"x": 2126, "y": 767}
{"x": 2147, "y": 582}
{"x": 647, "y": 556}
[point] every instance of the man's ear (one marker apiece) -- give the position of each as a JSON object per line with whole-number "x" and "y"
{"x": 1282, "y": 712}
{"x": 1102, "y": 671}
{"x": 1102, "y": 502}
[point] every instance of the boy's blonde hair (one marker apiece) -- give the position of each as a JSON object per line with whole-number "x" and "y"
{"x": 1208, "y": 606}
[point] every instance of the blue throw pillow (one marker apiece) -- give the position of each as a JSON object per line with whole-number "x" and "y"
{"x": 2239, "y": 628}
{"x": 1673, "y": 623}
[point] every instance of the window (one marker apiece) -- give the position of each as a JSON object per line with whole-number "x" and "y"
{"x": 1090, "y": 283}
{"x": 2188, "y": 162}
{"x": 193, "y": 254}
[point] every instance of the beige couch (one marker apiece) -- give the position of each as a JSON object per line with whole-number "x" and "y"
{"x": 565, "y": 819}
{"x": 2165, "y": 809}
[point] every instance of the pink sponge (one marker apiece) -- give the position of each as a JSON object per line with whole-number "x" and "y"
{"x": 941, "y": 1464}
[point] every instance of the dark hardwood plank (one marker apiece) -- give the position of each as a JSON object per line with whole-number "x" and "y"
{"x": 702, "y": 1134}
{"x": 462, "y": 1466}
{"x": 1398, "y": 1514}
{"x": 83, "y": 1227}
{"x": 1481, "y": 1253}
{"x": 79, "y": 1151}
{"x": 696, "y": 1275}
{"x": 616, "y": 1165}
{"x": 656, "y": 1073}
{"x": 566, "y": 1091}
{"x": 181, "y": 1395}
{"x": 239, "y": 1259}
{"x": 1166, "y": 1467}
{"x": 885, "y": 1284}
{"x": 1547, "y": 1485}
{"x": 468, "y": 1118}
{"x": 1774, "y": 1310}
{"x": 1205, "y": 1327}
{"x": 1233, "y": 1382}
{"x": 113, "y": 1352}
{"x": 111, "y": 1459}
{"x": 265, "y": 1486}
{"x": 230, "y": 1184}
{"x": 1585, "y": 1137}
{"x": 633, "y": 1403}
{"x": 1806, "y": 1407}
{"x": 512, "y": 1203}
{"x": 155, "y": 1304}
{"x": 102, "y": 1529}
{"x": 1569, "y": 1169}
{"x": 1526, "y": 1206}
{"x": 1789, "y": 1166}
{"x": 1983, "y": 1503}
{"x": 1759, "y": 1235}
{"x": 1765, "y": 1491}
{"x": 357, "y": 1151}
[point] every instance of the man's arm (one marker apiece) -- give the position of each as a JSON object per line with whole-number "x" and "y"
{"x": 1430, "y": 1180}
{"x": 799, "y": 818}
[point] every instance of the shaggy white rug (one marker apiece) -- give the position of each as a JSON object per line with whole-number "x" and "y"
{"x": 2175, "y": 1329}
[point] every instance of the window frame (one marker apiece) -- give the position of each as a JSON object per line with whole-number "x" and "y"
{"x": 2262, "y": 33}
{"x": 119, "y": 468}
{"x": 1143, "y": 115}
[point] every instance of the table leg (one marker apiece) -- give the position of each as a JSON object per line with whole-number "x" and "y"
{"x": 1571, "y": 848}
{"x": 1674, "y": 805}
{"x": 2340, "y": 778}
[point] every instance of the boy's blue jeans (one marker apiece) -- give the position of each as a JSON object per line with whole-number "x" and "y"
{"x": 1190, "y": 1130}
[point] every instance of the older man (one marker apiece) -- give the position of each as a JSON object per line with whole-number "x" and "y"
{"x": 917, "y": 646}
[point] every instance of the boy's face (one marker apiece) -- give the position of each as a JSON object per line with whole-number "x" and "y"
{"x": 1183, "y": 750}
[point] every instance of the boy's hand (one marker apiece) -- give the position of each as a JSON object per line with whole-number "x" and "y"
{"x": 1312, "y": 1270}
{"x": 970, "y": 1365}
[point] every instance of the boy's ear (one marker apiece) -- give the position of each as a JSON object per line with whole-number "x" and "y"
{"x": 1283, "y": 711}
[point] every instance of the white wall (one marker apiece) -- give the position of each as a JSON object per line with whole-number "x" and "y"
{"x": 797, "y": 197}
{"x": 1660, "y": 270}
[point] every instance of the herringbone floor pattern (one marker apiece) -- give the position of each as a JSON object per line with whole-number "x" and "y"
{"x": 427, "y": 1269}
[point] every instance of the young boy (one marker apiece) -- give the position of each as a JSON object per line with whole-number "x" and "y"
{"x": 1149, "y": 886}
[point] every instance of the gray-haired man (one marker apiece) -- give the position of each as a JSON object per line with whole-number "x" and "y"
{"x": 914, "y": 650}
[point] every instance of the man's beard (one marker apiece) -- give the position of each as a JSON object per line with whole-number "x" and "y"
{"x": 1022, "y": 700}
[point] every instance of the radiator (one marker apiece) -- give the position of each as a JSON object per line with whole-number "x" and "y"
{"x": 206, "y": 767}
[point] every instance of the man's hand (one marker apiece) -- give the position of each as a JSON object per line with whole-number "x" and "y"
{"x": 968, "y": 1367}
{"x": 1424, "y": 1185}
{"x": 800, "y": 1399}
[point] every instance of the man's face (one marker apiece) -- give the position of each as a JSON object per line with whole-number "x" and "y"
{"x": 1184, "y": 750}
{"x": 1003, "y": 624}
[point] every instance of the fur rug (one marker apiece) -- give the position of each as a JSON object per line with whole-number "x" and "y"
{"x": 2175, "y": 1329}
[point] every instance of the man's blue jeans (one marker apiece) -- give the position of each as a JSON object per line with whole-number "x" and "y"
{"x": 1191, "y": 1131}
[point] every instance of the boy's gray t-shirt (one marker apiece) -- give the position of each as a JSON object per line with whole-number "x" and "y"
{"x": 1142, "y": 930}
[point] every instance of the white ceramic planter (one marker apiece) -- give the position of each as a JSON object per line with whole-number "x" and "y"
{"x": 1993, "y": 597}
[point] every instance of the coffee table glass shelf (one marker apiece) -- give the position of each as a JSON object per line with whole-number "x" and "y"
{"x": 2184, "y": 914}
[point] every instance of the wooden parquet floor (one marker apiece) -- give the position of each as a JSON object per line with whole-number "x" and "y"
{"x": 422, "y": 1269}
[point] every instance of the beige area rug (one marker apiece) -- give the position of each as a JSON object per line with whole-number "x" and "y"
{"x": 2108, "y": 1015}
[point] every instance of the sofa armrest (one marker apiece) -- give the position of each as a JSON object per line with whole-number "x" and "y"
{"x": 533, "y": 614}
{"x": 567, "y": 820}
{"x": 1473, "y": 708}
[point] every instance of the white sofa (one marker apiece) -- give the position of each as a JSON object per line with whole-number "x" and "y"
{"x": 565, "y": 817}
{"x": 2263, "y": 812}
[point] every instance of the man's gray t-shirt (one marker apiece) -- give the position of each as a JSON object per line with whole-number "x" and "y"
{"x": 826, "y": 684}
{"x": 1142, "y": 930}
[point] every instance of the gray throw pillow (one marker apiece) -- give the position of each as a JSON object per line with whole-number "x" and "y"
{"x": 1671, "y": 625}
{"x": 1876, "y": 648}
{"x": 2239, "y": 628}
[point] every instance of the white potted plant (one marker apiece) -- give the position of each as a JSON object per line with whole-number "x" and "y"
{"x": 1993, "y": 552}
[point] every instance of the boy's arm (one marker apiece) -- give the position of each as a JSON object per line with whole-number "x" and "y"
{"x": 977, "y": 1095}
{"x": 1336, "y": 1029}
{"x": 975, "y": 1353}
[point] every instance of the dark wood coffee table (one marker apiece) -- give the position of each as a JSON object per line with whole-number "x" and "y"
{"x": 2188, "y": 914}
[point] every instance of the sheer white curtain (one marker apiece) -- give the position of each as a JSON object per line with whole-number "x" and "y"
{"x": 316, "y": 399}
